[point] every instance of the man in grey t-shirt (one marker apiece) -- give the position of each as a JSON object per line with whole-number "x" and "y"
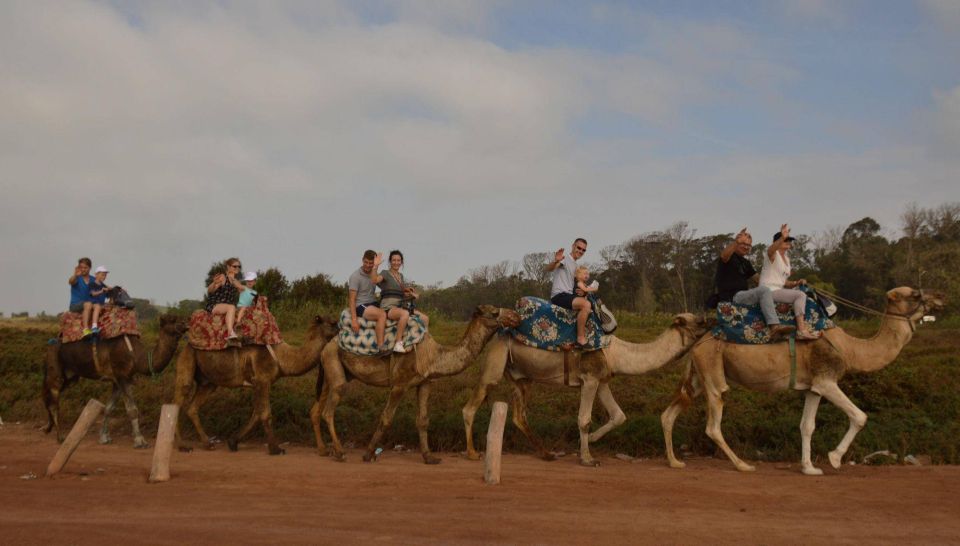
{"x": 564, "y": 292}
{"x": 363, "y": 298}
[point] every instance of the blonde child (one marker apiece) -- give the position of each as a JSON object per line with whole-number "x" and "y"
{"x": 246, "y": 295}
{"x": 582, "y": 277}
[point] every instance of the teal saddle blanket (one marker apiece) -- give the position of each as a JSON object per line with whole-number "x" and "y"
{"x": 547, "y": 326}
{"x": 745, "y": 324}
{"x": 364, "y": 342}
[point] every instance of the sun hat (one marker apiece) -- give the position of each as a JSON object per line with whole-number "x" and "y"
{"x": 101, "y": 269}
{"x": 250, "y": 276}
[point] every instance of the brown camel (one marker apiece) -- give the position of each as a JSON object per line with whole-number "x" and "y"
{"x": 251, "y": 364}
{"x": 126, "y": 356}
{"x": 523, "y": 365}
{"x": 417, "y": 368}
{"x": 820, "y": 365}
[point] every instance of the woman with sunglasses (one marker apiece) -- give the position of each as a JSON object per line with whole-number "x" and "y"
{"x": 223, "y": 292}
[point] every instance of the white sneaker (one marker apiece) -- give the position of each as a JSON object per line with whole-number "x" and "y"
{"x": 398, "y": 348}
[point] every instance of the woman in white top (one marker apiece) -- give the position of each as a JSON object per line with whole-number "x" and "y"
{"x": 776, "y": 276}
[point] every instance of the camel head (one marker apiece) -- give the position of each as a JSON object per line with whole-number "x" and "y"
{"x": 173, "y": 325}
{"x": 323, "y": 328}
{"x": 691, "y": 326}
{"x": 496, "y": 316}
{"x": 912, "y": 303}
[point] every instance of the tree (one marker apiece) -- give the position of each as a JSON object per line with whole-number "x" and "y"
{"x": 535, "y": 266}
{"x": 145, "y": 310}
{"x": 318, "y": 288}
{"x": 272, "y": 284}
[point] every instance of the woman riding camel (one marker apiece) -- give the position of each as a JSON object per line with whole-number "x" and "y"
{"x": 396, "y": 297}
{"x": 776, "y": 274}
{"x": 223, "y": 293}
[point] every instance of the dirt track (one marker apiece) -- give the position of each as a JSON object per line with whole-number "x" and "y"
{"x": 218, "y": 496}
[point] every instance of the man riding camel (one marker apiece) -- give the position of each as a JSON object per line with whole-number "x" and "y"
{"x": 564, "y": 292}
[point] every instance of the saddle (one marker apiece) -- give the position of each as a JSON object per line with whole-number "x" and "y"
{"x": 364, "y": 342}
{"x": 208, "y": 332}
{"x": 553, "y": 328}
{"x": 745, "y": 324}
{"x": 114, "y": 322}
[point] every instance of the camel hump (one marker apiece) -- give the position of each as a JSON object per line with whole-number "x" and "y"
{"x": 208, "y": 332}
{"x": 550, "y": 327}
{"x": 364, "y": 342}
{"x": 745, "y": 324}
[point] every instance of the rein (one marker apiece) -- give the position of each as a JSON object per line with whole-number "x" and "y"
{"x": 921, "y": 306}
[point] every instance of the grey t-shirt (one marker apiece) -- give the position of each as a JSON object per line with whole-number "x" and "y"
{"x": 563, "y": 276}
{"x": 366, "y": 291}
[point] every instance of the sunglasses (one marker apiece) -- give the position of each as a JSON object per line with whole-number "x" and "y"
{"x": 580, "y": 248}
{"x": 235, "y": 265}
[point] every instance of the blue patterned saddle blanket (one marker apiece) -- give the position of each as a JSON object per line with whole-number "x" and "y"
{"x": 745, "y": 323}
{"x": 547, "y": 326}
{"x": 364, "y": 342}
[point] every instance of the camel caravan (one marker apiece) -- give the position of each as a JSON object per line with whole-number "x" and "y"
{"x": 765, "y": 332}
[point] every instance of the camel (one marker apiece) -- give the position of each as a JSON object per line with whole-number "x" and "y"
{"x": 523, "y": 365}
{"x": 820, "y": 365}
{"x": 417, "y": 368}
{"x": 257, "y": 365}
{"x": 126, "y": 356}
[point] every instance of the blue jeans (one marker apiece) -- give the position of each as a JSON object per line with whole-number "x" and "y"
{"x": 762, "y": 295}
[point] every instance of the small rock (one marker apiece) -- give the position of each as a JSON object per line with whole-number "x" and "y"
{"x": 623, "y": 457}
{"x": 84, "y": 478}
{"x": 28, "y": 476}
{"x": 83, "y": 473}
{"x": 852, "y": 463}
{"x": 910, "y": 459}
{"x": 559, "y": 454}
{"x": 882, "y": 453}
{"x": 100, "y": 470}
{"x": 399, "y": 447}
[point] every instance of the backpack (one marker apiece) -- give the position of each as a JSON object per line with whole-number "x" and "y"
{"x": 607, "y": 321}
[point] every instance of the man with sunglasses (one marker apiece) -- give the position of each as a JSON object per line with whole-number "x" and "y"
{"x": 564, "y": 292}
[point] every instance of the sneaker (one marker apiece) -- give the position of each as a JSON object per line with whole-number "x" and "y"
{"x": 233, "y": 335}
{"x": 87, "y": 332}
{"x": 398, "y": 348}
{"x": 95, "y": 330}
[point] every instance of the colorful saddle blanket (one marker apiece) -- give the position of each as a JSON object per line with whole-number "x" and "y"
{"x": 364, "y": 342}
{"x": 547, "y": 326}
{"x": 746, "y": 325}
{"x": 114, "y": 322}
{"x": 258, "y": 327}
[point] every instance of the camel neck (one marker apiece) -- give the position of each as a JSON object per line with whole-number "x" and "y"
{"x": 869, "y": 355}
{"x": 638, "y": 358}
{"x": 453, "y": 360}
{"x": 162, "y": 354}
{"x": 295, "y": 361}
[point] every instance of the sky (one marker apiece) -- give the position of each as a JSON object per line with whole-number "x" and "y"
{"x": 160, "y": 137}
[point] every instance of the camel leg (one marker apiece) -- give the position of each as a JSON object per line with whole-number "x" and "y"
{"x": 521, "y": 398}
{"x": 182, "y": 387}
{"x": 616, "y": 415}
{"x": 199, "y": 398}
{"x": 53, "y": 385}
{"x": 133, "y": 413}
{"x": 588, "y": 392}
{"x": 807, "y": 425}
{"x": 105, "y": 429}
{"x": 858, "y": 419}
{"x": 334, "y": 383}
{"x": 714, "y": 417}
{"x": 386, "y": 418}
{"x": 423, "y": 422}
{"x": 490, "y": 375}
{"x": 315, "y": 413}
{"x": 690, "y": 388}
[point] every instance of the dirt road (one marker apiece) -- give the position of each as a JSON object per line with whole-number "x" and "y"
{"x": 221, "y": 497}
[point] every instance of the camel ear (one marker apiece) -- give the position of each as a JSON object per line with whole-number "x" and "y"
{"x": 916, "y": 293}
{"x": 893, "y": 295}
{"x": 679, "y": 321}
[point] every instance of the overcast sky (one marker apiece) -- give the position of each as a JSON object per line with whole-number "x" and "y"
{"x": 157, "y": 137}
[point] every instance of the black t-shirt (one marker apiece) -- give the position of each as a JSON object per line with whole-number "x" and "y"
{"x": 732, "y": 276}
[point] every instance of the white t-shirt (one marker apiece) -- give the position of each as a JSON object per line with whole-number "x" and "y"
{"x": 775, "y": 273}
{"x": 563, "y": 282}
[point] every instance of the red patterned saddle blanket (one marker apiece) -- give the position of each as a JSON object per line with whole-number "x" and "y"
{"x": 114, "y": 322}
{"x": 258, "y": 327}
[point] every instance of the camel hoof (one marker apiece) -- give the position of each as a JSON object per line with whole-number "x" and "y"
{"x": 276, "y": 451}
{"x": 232, "y": 444}
{"x": 835, "y": 459}
{"x": 746, "y": 467}
{"x": 677, "y": 464}
{"x": 210, "y": 446}
{"x": 323, "y": 451}
{"x": 430, "y": 459}
{"x": 593, "y": 463}
{"x": 47, "y": 429}
{"x": 474, "y": 455}
{"x": 340, "y": 457}
{"x": 368, "y": 457}
{"x": 106, "y": 440}
{"x": 812, "y": 471}
{"x": 142, "y": 444}
{"x": 547, "y": 456}
{"x": 184, "y": 449}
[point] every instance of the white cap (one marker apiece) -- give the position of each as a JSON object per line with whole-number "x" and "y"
{"x": 250, "y": 276}
{"x": 101, "y": 269}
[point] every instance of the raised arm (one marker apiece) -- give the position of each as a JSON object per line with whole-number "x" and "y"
{"x": 557, "y": 259}
{"x": 73, "y": 278}
{"x": 728, "y": 251}
{"x": 375, "y": 276}
{"x": 778, "y": 244}
{"x": 218, "y": 281}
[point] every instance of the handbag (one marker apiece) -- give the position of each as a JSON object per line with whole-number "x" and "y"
{"x": 608, "y": 322}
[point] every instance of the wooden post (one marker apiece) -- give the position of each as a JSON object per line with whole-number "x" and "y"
{"x": 166, "y": 430}
{"x": 491, "y": 461}
{"x": 91, "y": 412}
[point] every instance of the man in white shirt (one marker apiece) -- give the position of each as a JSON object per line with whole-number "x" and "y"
{"x": 564, "y": 292}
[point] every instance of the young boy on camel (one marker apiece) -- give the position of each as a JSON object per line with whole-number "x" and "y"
{"x": 247, "y": 295}
{"x": 98, "y": 295}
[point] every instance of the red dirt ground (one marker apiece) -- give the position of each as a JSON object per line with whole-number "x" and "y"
{"x": 102, "y": 496}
